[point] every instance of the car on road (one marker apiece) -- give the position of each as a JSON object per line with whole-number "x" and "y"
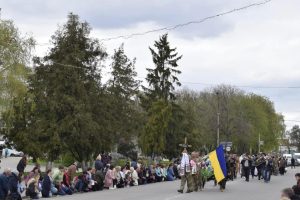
{"x": 12, "y": 153}
{"x": 297, "y": 158}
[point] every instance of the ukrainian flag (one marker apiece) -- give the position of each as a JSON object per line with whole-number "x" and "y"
{"x": 218, "y": 163}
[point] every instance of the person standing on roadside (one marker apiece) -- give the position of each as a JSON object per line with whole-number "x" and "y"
{"x": 22, "y": 165}
{"x": 99, "y": 166}
{"x": 6, "y": 152}
{"x": 293, "y": 163}
{"x": 281, "y": 166}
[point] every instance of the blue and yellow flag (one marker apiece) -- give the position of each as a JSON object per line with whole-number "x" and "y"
{"x": 218, "y": 163}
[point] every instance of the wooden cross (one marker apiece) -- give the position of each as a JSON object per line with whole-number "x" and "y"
{"x": 185, "y": 145}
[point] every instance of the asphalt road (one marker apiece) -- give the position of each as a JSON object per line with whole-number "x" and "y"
{"x": 238, "y": 189}
{"x": 12, "y": 162}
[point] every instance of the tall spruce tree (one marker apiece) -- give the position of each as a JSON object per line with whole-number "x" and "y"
{"x": 123, "y": 88}
{"x": 163, "y": 123}
{"x": 68, "y": 95}
{"x": 123, "y": 83}
{"x": 162, "y": 79}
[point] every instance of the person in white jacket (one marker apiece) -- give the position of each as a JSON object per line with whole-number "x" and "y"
{"x": 134, "y": 177}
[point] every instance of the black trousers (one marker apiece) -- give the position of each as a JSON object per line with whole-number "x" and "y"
{"x": 293, "y": 165}
{"x": 247, "y": 173}
{"x": 222, "y": 184}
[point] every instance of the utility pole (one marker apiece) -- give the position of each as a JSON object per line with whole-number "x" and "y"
{"x": 259, "y": 143}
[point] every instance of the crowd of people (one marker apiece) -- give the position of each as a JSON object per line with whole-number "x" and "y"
{"x": 194, "y": 170}
{"x": 68, "y": 180}
{"x": 262, "y": 165}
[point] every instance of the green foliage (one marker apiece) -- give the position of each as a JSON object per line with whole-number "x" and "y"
{"x": 67, "y": 159}
{"x": 162, "y": 78}
{"x": 242, "y": 118}
{"x": 165, "y": 119}
{"x": 121, "y": 162}
{"x": 68, "y": 98}
{"x": 295, "y": 136}
{"x": 128, "y": 149}
{"x": 15, "y": 53}
{"x": 123, "y": 83}
{"x": 153, "y": 138}
{"x": 123, "y": 89}
{"x": 19, "y": 126}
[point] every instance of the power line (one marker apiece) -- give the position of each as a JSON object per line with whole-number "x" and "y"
{"x": 244, "y": 86}
{"x": 206, "y": 84}
{"x": 176, "y": 26}
{"x": 43, "y": 44}
{"x": 169, "y": 28}
{"x": 292, "y": 120}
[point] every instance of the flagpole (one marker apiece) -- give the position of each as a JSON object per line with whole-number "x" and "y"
{"x": 218, "y": 121}
{"x": 258, "y": 142}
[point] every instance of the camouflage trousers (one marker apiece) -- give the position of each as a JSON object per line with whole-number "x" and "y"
{"x": 186, "y": 179}
{"x": 197, "y": 182}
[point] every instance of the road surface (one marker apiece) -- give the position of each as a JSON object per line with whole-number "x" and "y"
{"x": 12, "y": 162}
{"x": 238, "y": 189}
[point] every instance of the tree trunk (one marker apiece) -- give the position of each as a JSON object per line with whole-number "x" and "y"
{"x": 83, "y": 166}
{"x": 91, "y": 163}
{"x": 49, "y": 165}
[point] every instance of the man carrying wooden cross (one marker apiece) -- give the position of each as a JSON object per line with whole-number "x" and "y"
{"x": 185, "y": 170}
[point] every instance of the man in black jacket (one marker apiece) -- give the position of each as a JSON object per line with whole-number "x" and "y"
{"x": 4, "y": 183}
{"x": 46, "y": 186}
{"x": 246, "y": 164}
{"x": 13, "y": 182}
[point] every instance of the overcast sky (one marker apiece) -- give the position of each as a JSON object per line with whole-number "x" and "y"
{"x": 259, "y": 46}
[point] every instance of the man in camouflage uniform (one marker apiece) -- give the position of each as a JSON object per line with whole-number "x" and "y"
{"x": 197, "y": 172}
{"x": 200, "y": 164}
{"x": 185, "y": 173}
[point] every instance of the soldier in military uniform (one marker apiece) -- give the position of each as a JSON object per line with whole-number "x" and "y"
{"x": 232, "y": 167}
{"x": 200, "y": 165}
{"x": 196, "y": 164}
{"x": 194, "y": 171}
